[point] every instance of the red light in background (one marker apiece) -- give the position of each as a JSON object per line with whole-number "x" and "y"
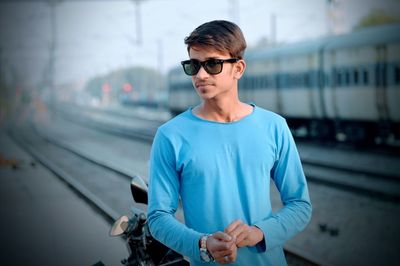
{"x": 127, "y": 87}
{"x": 18, "y": 92}
{"x": 106, "y": 88}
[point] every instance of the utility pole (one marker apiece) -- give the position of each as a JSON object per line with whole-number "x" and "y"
{"x": 1, "y": 68}
{"x": 50, "y": 77}
{"x": 234, "y": 10}
{"x": 273, "y": 28}
{"x": 332, "y": 14}
{"x": 138, "y": 17}
{"x": 160, "y": 55}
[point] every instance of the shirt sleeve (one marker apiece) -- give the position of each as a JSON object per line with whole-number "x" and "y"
{"x": 164, "y": 188}
{"x": 288, "y": 176}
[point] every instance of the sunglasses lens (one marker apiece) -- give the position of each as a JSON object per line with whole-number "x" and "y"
{"x": 213, "y": 67}
{"x": 191, "y": 67}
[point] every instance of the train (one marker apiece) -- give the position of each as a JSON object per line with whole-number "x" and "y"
{"x": 341, "y": 88}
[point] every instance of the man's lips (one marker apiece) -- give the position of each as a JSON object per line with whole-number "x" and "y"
{"x": 201, "y": 84}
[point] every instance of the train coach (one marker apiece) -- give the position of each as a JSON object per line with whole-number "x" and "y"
{"x": 344, "y": 88}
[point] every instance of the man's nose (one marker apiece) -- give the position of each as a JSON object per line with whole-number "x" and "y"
{"x": 202, "y": 73}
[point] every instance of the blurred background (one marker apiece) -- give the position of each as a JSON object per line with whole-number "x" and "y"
{"x": 84, "y": 84}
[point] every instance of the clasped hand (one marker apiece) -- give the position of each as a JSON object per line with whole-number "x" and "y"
{"x": 223, "y": 245}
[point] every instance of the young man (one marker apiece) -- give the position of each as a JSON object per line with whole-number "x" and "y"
{"x": 218, "y": 158}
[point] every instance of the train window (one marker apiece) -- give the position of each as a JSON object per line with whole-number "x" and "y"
{"x": 274, "y": 82}
{"x": 264, "y": 82}
{"x": 260, "y": 82}
{"x": 327, "y": 80}
{"x": 355, "y": 77}
{"x": 286, "y": 81}
{"x": 300, "y": 80}
{"x": 306, "y": 80}
{"x": 339, "y": 79}
{"x": 347, "y": 76}
{"x": 278, "y": 81}
{"x": 244, "y": 82}
{"x": 315, "y": 75}
{"x": 281, "y": 80}
{"x": 247, "y": 83}
{"x": 251, "y": 83}
{"x": 309, "y": 79}
{"x": 384, "y": 74}
{"x": 271, "y": 81}
{"x": 292, "y": 80}
{"x": 397, "y": 75}
{"x": 365, "y": 77}
{"x": 256, "y": 83}
{"x": 320, "y": 79}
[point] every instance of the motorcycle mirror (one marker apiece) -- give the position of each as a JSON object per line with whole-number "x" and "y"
{"x": 119, "y": 226}
{"x": 139, "y": 190}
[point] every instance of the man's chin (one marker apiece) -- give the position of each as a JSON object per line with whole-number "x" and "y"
{"x": 206, "y": 96}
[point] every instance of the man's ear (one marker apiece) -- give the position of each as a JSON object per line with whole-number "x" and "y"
{"x": 240, "y": 66}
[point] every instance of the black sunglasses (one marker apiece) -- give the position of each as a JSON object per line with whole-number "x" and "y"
{"x": 211, "y": 66}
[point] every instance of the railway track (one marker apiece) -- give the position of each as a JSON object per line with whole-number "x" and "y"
{"x": 47, "y": 149}
{"x": 372, "y": 182}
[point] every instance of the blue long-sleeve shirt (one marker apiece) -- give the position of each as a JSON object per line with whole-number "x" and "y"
{"x": 222, "y": 172}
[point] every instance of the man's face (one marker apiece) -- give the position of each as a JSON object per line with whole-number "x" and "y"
{"x": 210, "y": 86}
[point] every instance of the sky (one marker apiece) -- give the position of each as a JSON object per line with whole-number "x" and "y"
{"x": 96, "y": 37}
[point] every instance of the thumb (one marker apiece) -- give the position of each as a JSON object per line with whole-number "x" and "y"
{"x": 222, "y": 236}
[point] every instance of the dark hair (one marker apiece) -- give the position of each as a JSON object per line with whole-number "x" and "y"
{"x": 222, "y": 35}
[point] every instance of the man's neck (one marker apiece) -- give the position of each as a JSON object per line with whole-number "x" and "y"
{"x": 224, "y": 111}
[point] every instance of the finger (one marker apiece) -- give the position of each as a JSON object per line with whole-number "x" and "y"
{"x": 240, "y": 229}
{"x": 216, "y": 244}
{"x": 222, "y": 236}
{"x": 225, "y": 259}
{"x": 221, "y": 254}
{"x": 232, "y": 226}
{"x": 241, "y": 240}
{"x": 243, "y": 243}
{"x": 244, "y": 235}
{"x": 253, "y": 236}
{"x": 223, "y": 246}
{"x": 222, "y": 261}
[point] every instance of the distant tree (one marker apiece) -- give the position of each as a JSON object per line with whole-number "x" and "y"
{"x": 377, "y": 17}
{"x": 144, "y": 81}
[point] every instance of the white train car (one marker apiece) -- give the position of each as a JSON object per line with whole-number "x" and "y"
{"x": 181, "y": 93}
{"x": 359, "y": 96}
{"x": 292, "y": 86}
{"x": 343, "y": 87}
{"x": 393, "y": 83}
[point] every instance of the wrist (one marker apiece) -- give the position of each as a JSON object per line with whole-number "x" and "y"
{"x": 205, "y": 255}
{"x": 259, "y": 234}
